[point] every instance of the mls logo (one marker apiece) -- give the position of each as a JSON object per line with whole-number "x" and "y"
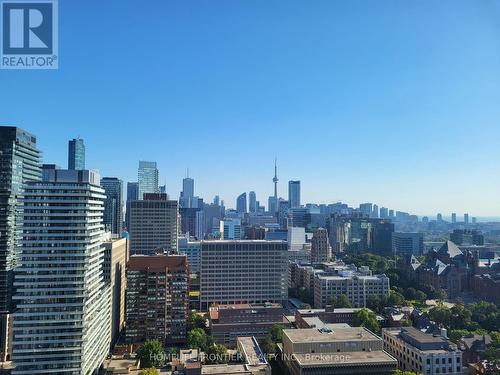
{"x": 29, "y": 34}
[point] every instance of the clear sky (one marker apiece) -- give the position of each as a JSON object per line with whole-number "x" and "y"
{"x": 393, "y": 102}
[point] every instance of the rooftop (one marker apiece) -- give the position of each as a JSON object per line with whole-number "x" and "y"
{"x": 343, "y": 359}
{"x": 312, "y": 335}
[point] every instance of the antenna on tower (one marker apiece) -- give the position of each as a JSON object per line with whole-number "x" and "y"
{"x": 187, "y": 173}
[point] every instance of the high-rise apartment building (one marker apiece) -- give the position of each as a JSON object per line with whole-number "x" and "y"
{"x": 241, "y": 203}
{"x": 115, "y": 263}
{"x": 147, "y": 178}
{"x": 294, "y": 194}
{"x": 153, "y": 224}
{"x": 157, "y": 298}
{"x": 19, "y": 163}
{"x": 76, "y": 154}
{"x": 113, "y": 204}
{"x": 62, "y": 321}
{"x": 321, "y": 250}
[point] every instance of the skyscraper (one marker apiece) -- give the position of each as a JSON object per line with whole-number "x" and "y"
{"x": 366, "y": 208}
{"x": 132, "y": 195}
{"x": 76, "y": 154}
{"x": 62, "y": 320}
{"x": 453, "y": 218}
{"x": 294, "y": 194}
{"x": 153, "y": 224}
{"x": 466, "y": 219}
{"x": 147, "y": 178}
{"x": 113, "y": 204}
{"x": 19, "y": 163}
{"x": 241, "y": 203}
{"x": 375, "y": 212}
{"x": 252, "y": 201}
{"x": 320, "y": 246}
{"x": 187, "y": 193}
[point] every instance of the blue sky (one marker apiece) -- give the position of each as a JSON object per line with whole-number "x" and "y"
{"x": 394, "y": 102}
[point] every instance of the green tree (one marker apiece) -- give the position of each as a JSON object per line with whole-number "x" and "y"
{"x": 196, "y": 321}
{"x": 152, "y": 354}
{"x": 197, "y": 339}
{"x": 456, "y": 334}
{"x": 149, "y": 371}
{"x": 441, "y": 315}
{"x": 368, "y": 319}
{"x": 216, "y": 354}
{"x": 340, "y": 301}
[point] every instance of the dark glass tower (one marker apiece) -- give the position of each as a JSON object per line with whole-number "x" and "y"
{"x": 113, "y": 204}
{"x": 76, "y": 154}
{"x": 19, "y": 163}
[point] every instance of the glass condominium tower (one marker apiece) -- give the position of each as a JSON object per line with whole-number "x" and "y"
{"x": 19, "y": 163}
{"x": 63, "y": 316}
{"x": 76, "y": 154}
{"x": 147, "y": 178}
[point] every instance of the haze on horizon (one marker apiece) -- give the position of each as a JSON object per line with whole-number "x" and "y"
{"x": 392, "y": 102}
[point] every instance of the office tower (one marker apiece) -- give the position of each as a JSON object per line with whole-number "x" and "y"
{"x": 157, "y": 298}
{"x": 320, "y": 247}
{"x": 366, "y": 208}
{"x": 466, "y": 219}
{"x": 283, "y": 208}
{"x": 187, "y": 193}
{"x": 299, "y": 217}
{"x": 316, "y": 351}
{"x": 234, "y": 272}
{"x": 241, "y": 203}
{"x": 162, "y": 189}
{"x": 252, "y": 202}
{"x": 474, "y": 220}
{"x": 273, "y": 203}
{"x": 115, "y": 263}
{"x": 147, "y": 178}
{"x": 375, "y": 213}
{"x": 188, "y": 220}
{"x": 391, "y": 214}
{"x": 113, "y": 204}
{"x": 132, "y": 191}
{"x": 132, "y": 195}
{"x": 408, "y": 243}
{"x": 384, "y": 213}
{"x": 192, "y": 250}
{"x": 76, "y": 154}
{"x": 212, "y": 214}
{"x": 62, "y": 320}
{"x": 230, "y": 229}
{"x": 439, "y": 217}
{"x": 153, "y": 224}
{"x": 294, "y": 193}
{"x": 453, "y": 218}
{"x": 217, "y": 200}
{"x": 421, "y": 352}
{"x": 19, "y": 163}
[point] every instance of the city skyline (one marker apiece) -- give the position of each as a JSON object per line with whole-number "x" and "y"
{"x": 414, "y": 129}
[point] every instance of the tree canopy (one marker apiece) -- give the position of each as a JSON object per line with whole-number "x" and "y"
{"x": 152, "y": 354}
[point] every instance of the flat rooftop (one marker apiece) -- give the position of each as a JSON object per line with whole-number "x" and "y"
{"x": 251, "y": 351}
{"x": 312, "y": 335}
{"x": 225, "y": 369}
{"x": 345, "y": 358}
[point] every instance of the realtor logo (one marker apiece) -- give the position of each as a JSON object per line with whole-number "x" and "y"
{"x": 29, "y": 34}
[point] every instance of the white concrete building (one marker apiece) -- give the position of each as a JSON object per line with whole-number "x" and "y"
{"x": 63, "y": 316}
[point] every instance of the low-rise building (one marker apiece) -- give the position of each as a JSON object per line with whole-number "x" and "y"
{"x": 227, "y": 322}
{"x": 357, "y": 288}
{"x": 423, "y": 352}
{"x": 353, "y": 350}
{"x": 328, "y": 315}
